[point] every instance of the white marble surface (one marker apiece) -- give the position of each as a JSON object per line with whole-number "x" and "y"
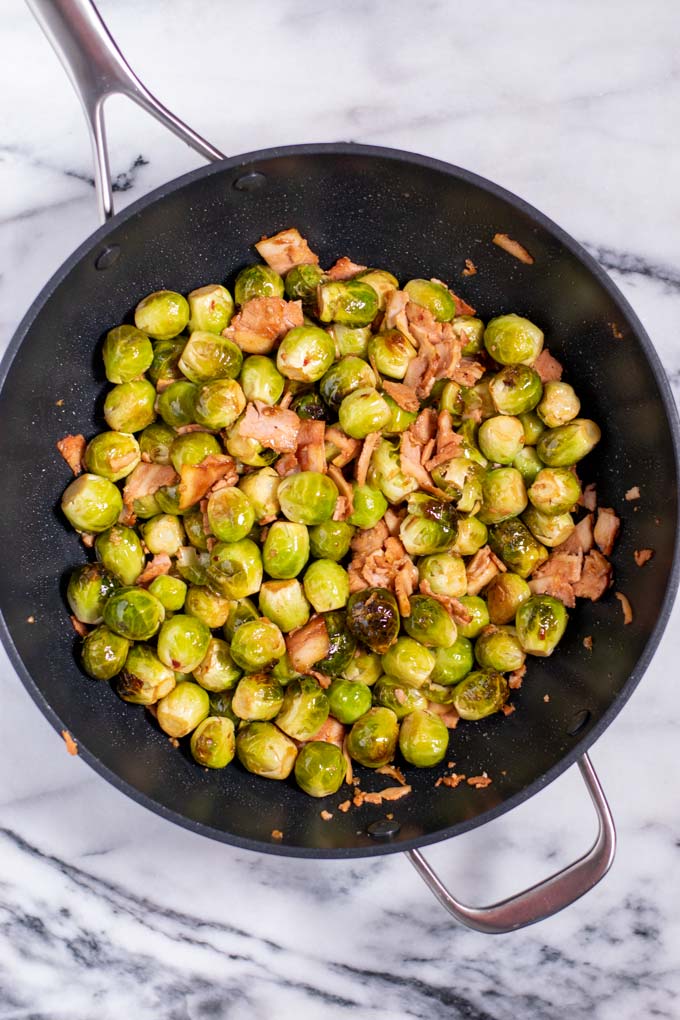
{"x": 108, "y": 911}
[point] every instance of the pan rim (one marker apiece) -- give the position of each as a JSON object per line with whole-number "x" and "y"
{"x": 244, "y": 160}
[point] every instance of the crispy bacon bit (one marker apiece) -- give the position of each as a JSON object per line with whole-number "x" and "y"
{"x": 163, "y": 384}
{"x": 343, "y": 510}
{"x": 308, "y": 644}
{"x": 324, "y": 680}
{"x": 277, "y": 834}
{"x": 332, "y": 732}
{"x": 395, "y": 792}
{"x": 88, "y": 539}
{"x": 588, "y": 642}
{"x": 160, "y": 564}
{"x": 479, "y": 782}
{"x": 71, "y": 745}
{"x": 449, "y": 443}
{"x": 404, "y": 585}
{"x": 395, "y": 313}
{"x": 349, "y": 773}
{"x": 72, "y": 449}
{"x": 546, "y": 698}
{"x": 549, "y": 369}
{"x": 30, "y": 619}
{"x": 515, "y": 678}
{"x": 558, "y": 574}
{"x": 454, "y": 608}
{"x": 382, "y": 566}
{"x": 326, "y": 815}
{"x": 262, "y": 321}
{"x": 344, "y": 269}
{"x": 643, "y": 556}
{"x": 59, "y": 403}
{"x": 287, "y": 465}
{"x": 369, "y": 445}
{"x": 616, "y": 332}
{"x": 410, "y": 454}
{"x": 344, "y": 488}
{"x": 482, "y": 568}
{"x": 368, "y": 540}
{"x": 468, "y": 372}
{"x": 345, "y": 806}
{"x": 393, "y": 772}
{"x": 626, "y": 607}
{"x": 311, "y": 449}
{"x": 633, "y": 493}
{"x": 349, "y": 448}
{"x": 439, "y": 346}
{"x": 596, "y": 577}
{"x": 402, "y": 395}
{"x": 513, "y": 248}
{"x": 392, "y": 520}
{"x": 286, "y": 249}
{"x": 197, "y": 479}
{"x": 453, "y": 780}
{"x": 580, "y": 539}
{"x": 470, "y": 268}
{"x": 589, "y": 498}
{"x": 507, "y": 709}
{"x": 446, "y": 713}
{"x": 80, "y": 628}
{"x": 147, "y": 479}
{"x": 273, "y": 427}
{"x": 606, "y": 529}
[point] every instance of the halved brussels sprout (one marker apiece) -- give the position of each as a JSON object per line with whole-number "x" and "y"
{"x": 517, "y": 547}
{"x": 568, "y": 444}
{"x": 505, "y": 595}
{"x": 181, "y": 711}
{"x": 372, "y": 741}
{"x": 479, "y": 613}
{"x": 120, "y": 550}
{"x": 162, "y": 315}
{"x": 558, "y": 405}
{"x": 429, "y": 623}
{"x": 104, "y": 653}
{"x": 217, "y": 671}
{"x": 501, "y": 438}
{"x": 326, "y": 585}
{"x": 515, "y": 390}
{"x": 170, "y": 591}
{"x": 540, "y": 622}
{"x": 182, "y": 642}
{"x": 499, "y": 648}
{"x": 331, "y": 540}
{"x": 452, "y": 664}
{"x": 373, "y": 618}
{"x": 305, "y": 354}
{"x": 162, "y": 534}
{"x": 89, "y": 589}
{"x": 504, "y": 495}
{"x": 391, "y": 353}
{"x": 307, "y": 497}
{"x": 320, "y": 768}
{"x": 423, "y": 739}
{"x": 257, "y": 645}
{"x": 209, "y": 356}
{"x": 481, "y": 693}
{"x": 342, "y": 378}
{"x": 263, "y": 749}
{"x": 112, "y": 455}
{"x": 348, "y": 701}
{"x": 261, "y": 380}
{"x": 134, "y": 613}
{"x": 409, "y": 661}
{"x": 210, "y": 308}
{"x": 91, "y": 503}
{"x": 304, "y": 710}
{"x": 434, "y": 296}
{"x": 363, "y": 411}
{"x": 127, "y": 354}
{"x": 284, "y": 603}
{"x": 286, "y": 549}
{"x": 176, "y": 403}
{"x": 235, "y": 569}
{"x": 348, "y": 302}
{"x": 219, "y": 403}
{"x": 445, "y": 574}
{"x": 257, "y": 281}
{"x": 257, "y": 696}
{"x": 513, "y": 340}
{"x": 144, "y": 678}
{"x": 213, "y": 743}
{"x": 155, "y": 441}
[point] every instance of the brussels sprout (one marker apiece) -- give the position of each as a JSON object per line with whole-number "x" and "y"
{"x": 260, "y": 379}
{"x": 134, "y": 613}
{"x": 558, "y": 405}
{"x": 515, "y": 390}
{"x": 120, "y": 550}
{"x": 162, "y": 534}
{"x": 481, "y": 693}
{"x": 512, "y": 340}
{"x": 363, "y": 668}
{"x": 350, "y": 339}
{"x": 170, "y": 591}
{"x": 540, "y": 622}
{"x": 220, "y": 705}
{"x": 265, "y": 750}
{"x": 284, "y": 672}
{"x": 207, "y": 356}
{"x": 504, "y": 495}
{"x": 499, "y": 648}
{"x": 305, "y": 354}
{"x": 400, "y": 420}
{"x": 517, "y": 547}
{"x": 381, "y": 281}
{"x": 310, "y": 407}
{"x": 192, "y": 565}
{"x": 451, "y": 399}
{"x": 567, "y": 444}
{"x": 421, "y": 536}
{"x": 348, "y": 701}
{"x": 434, "y": 296}
{"x": 326, "y": 585}
{"x": 257, "y": 696}
{"x": 127, "y": 354}
{"x": 155, "y": 441}
{"x": 168, "y": 499}
{"x": 372, "y": 741}
{"x": 533, "y": 427}
{"x": 301, "y": 283}
{"x": 219, "y": 403}
{"x": 452, "y": 664}
{"x": 472, "y": 535}
{"x": 479, "y": 614}
{"x": 257, "y": 645}
{"x": 284, "y": 603}
{"x": 231, "y": 514}
{"x": 181, "y": 711}
{"x": 307, "y": 497}
{"x": 235, "y": 569}
{"x": 320, "y": 768}
{"x": 554, "y": 490}
{"x": 343, "y": 378}
{"x": 257, "y": 281}
{"x": 210, "y": 308}
{"x": 445, "y": 574}
{"x": 217, "y": 671}
{"x": 461, "y": 479}
{"x": 193, "y": 525}
{"x": 429, "y": 623}
{"x": 261, "y": 488}
{"x": 473, "y": 331}
{"x": 241, "y": 611}
{"x": 385, "y": 473}
{"x": 348, "y": 302}
{"x": 528, "y": 463}
{"x": 91, "y": 503}
{"x": 369, "y": 506}
{"x": 373, "y": 617}
{"x": 176, "y": 403}
{"x": 331, "y": 540}
{"x": 397, "y": 695}
{"x": 549, "y": 529}
{"x": 104, "y": 653}
{"x": 162, "y": 315}
{"x": 208, "y": 607}
{"x": 144, "y": 678}
{"x": 304, "y": 710}
{"x": 363, "y": 411}
{"x": 423, "y": 739}
{"x": 165, "y": 364}
{"x": 286, "y": 549}
{"x": 505, "y": 595}
{"x": 409, "y": 661}
{"x": 440, "y": 694}
{"x": 391, "y": 353}
{"x": 246, "y": 449}
{"x": 89, "y": 589}
{"x": 213, "y": 743}
{"x": 341, "y": 645}
{"x": 501, "y": 438}
{"x": 182, "y": 642}
{"x": 112, "y": 455}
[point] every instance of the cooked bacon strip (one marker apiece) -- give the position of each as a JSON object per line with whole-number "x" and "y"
{"x": 402, "y": 395}
{"x": 72, "y": 449}
{"x": 626, "y": 607}
{"x": 147, "y": 479}
{"x": 607, "y": 527}
{"x": 395, "y": 313}
{"x": 308, "y": 644}
{"x": 392, "y": 519}
{"x": 468, "y": 372}
{"x": 479, "y": 782}
{"x": 81, "y": 629}
{"x": 449, "y": 443}
{"x": 287, "y": 464}
{"x": 633, "y": 493}
{"x": 344, "y": 269}
{"x": 405, "y": 581}
{"x": 454, "y": 608}
{"x": 548, "y": 368}
{"x": 409, "y": 456}
{"x": 439, "y": 347}
{"x": 515, "y": 678}
{"x": 643, "y": 556}
{"x": 332, "y": 732}
{"x": 324, "y": 680}
{"x": 558, "y": 574}
{"x": 343, "y": 509}
{"x": 482, "y": 568}
{"x": 595, "y": 578}
{"x": 394, "y": 792}
{"x": 369, "y": 445}
{"x": 286, "y": 249}
{"x": 160, "y": 564}
{"x": 273, "y": 427}
{"x": 349, "y": 448}
{"x": 311, "y": 449}
{"x": 197, "y": 479}
{"x": 384, "y": 565}
{"x": 513, "y": 248}
{"x": 589, "y": 497}
{"x": 261, "y": 322}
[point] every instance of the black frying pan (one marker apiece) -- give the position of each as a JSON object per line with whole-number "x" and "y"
{"x": 419, "y": 217}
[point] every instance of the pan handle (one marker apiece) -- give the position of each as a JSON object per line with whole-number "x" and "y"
{"x": 547, "y": 897}
{"x": 97, "y": 70}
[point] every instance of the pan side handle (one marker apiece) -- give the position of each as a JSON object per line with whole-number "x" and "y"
{"x": 97, "y": 70}
{"x": 547, "y": 897}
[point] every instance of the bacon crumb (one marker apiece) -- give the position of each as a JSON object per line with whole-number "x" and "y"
{"x": 643, "y": 556}
{"x": 72, "y": 449}
{"x": 453, "y": 781}
{"x": 470, "y": 268}
{"x": 588, "y": 642}
{"x": 345, "y": 806}
{"x": 369, "y": 445}
{"x": 173, "y": 741}
{"x": 160, "y": 564}
{"x": 59, "y": 403}
{"x": 479, "y": 782}
{"x": 546, "y": 697}
{"x": 626, "y": 607}
{"x": 633, "y": 493}
{"x": 513, "y": 248}
{"x": 548, "y": 368}
{"x": 393, "y": 772}
{"x": 277, "y": 834}
{"x": 616, "y": 332}
{"x": 326, "y": 815}
{"x": 589, "y": 498}
{"x": 79, "y": 627}
{"x": 88, "y": 539}
{"x": 389, "y": 816}
{"x": 71, "y": 745}
{"x": 349, "y": 771}
{"x": 507, "y": 709}
{"x": 515, "y": 678}
{"x": 30, "y": 619}
{"x": 606, "y": 529}
{"x": 402, "y": 395}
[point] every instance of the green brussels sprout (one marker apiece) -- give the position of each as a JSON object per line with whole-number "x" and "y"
{"x": 162, "y": 315}
{"x": 307, "y": 497}
{"x": 120, "y": 550}
{"x": 261, "y": 380}
{"x": 434, "y": 296}
{"x": 554, "y": 490}
{"x": 363, "y": 411}
{"x": 127, "y": 354}
{"x": 168, "y": 501}
{"x": 501, "y": 438}
{"x": 373, "y": 618}
{"x": 348, "y": 302}
{"x": 399, "y": 696}
{"x": 155, "y": 441}
{"x": 220, "y": 705}
{"x": 207, "y": 606}
{"x": 540, "y": 622}
{"x": 310, "y": 407}
{"x": 499, "y": 648}
{"x": 381, "y": 281}
{"x": 350, "y": 339}
{"x": 235, "y": 569}
{"x": 305, "y": 354}
{"x": 481, "y": 693}
{"x": 528, "y": 463}
{"x": 192, "y": 565}
{"x": 567, "y": 444}
{"x": 429, "y": 623}
{"x": 516, "y": 546}
{"x": 257, "y": 696}
{"x": 213, "y": 743}
{"x": 257, "y": 645}
{"x": 504, "y": 495}
{"x": 91, "y": 503}
{"x": 162, "y": 534}
{"x": 504, "y": 596}
{"x": 209, "y": 356}
{"x": 284, "y": 672}
{"x": 363, "y": 668}
{"x": 217, "y": 671}
{"x": 265, "y": 750}
{"x": 533, "y": 427}
{"x": 331, "y": 540}
{"x": 348, "y": 701}
{"x": 104, "y": 653}
{"x": 261, "y": 488}
{"x": 219, "y": 403}
{"x": 341, "y": 645}
{"x": 343, "y": 377}
{"x": 423, "y": 739}
{"x": 515, "y": 390}
{"x": 304, "y": 710}
{"x": 165, "y": 364}
{"x": 144, "y": 678}
{"x": 284, "y": 603}
{"x": 301, "y": 283}
{"x": 512, "y": 340}
{"x": 372, "y": 741}
{"x": 452, "y": 664}
{"x": 89, "y": 588}
{"x": 134, "y": 613}
{"x": 431, "y": 528}
{"x": 445, "y": 574}
{"x": 479, "y": 613}
{"x": 461, "y": 479}
{"x": 170, "y": 591}
{"x": 176, "y": 403}
{"x": 559, "y": 404}
{"x": 246, "y": 449}
{"x": 369, "y": 506}
{"x": 391, "y": 353}
{"x": 257, "y": 281}
{"x": 473, "y": 331}
{"x": 195, "y": 531}
{"x": 182, "y": 642}
{"x": 385, "y": 473}
{"x": 240, "y": 611}
{"x": 231, "y": 514}
{"x": 320, "y": 768}
{"x": 326, "y": 585}
{"x": 549, "y": 529}
{"x": 112, "y": 455}
{"x": 210, "y": 309}
{"x": 451, "y": 399}
{"x": 286, "y": 549}
{"x": 181, "y": 711}
{"x": 472, "y": 535}
{"x": 409, "y": 661}
{"x": 400, "y": 419}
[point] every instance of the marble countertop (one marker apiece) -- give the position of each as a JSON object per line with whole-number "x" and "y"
{"x": 107, "y": 910}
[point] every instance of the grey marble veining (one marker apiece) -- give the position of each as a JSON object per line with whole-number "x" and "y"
{"x": 108, "y": 911}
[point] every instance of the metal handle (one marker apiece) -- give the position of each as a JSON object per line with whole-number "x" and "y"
{"x": 97, "y": 70}
{"x": 547, "y": 897}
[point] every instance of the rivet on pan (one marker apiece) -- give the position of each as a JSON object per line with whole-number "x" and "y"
{"x": 250, "y": 182}
{"x": 107, "y": 257}
{"x": 579, "y": 721}
{"x": 383, "y": 829}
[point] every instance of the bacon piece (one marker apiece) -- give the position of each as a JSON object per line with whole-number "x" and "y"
{"x": 286, "y": 465}
{"x": 349, "y": 448}
{"x": 393, "y": 772}
{"x": 626, "y": 607}
{"x": 558, "y": 574}
{"x": 344, "y": 269}
{"x": 405, "y": 581}
{"x": 369, "y": 540}
{"x": 580, "y": 539}
{"x": 261, "y": 322}
{"x": 343, "y": 509}
{"x": 515, "y": 678}
{"x": 589, "y": 497}
{"x": 643, "y": 556}
{"x": 286, "y": 249}
{"x": 402, "y": 395}
{"x": 633, "y": 493}
{"x": 147, "y": 479}
{"x": 549, "y": 369}
{"x": 479, "y": 782}
{"x": 197, "y": 479}
{"x": 454, "y": 608}
{"x": 409, "y": 457}
{"x": 308, "y": 644}
{"x": 468, "y": 372}
{"x": 273, "y": 427}
{"x": 72, "y": 449}
{"x": 513, "y": 248}
{"x": 482, "y": 568}
{"x": 595, "y": 578}
{"x": 311, "y": 450}
{"x": 332, "y": 732}
{"x": 392, "y": 519}
{"x": 323, "y": 678}
{"x": 382, "y": 566}
{"x": 395, "y": 313}
{"x": 88, "y": 539}
{"x": 446, "y": 713}
{"x": 71, "y": 745}
{"x": 449, "y": 443}
{"x": 470, "y": 268}
{"x": 439, "y": 347}
{"x": 344, "y": 487}
{"x": 369, "y": 445}
{"x": 588, "y": 642}
{"x": 81, "y": 629}
{"x": 160, "y": 564}
{"x": 607, "y": 527}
